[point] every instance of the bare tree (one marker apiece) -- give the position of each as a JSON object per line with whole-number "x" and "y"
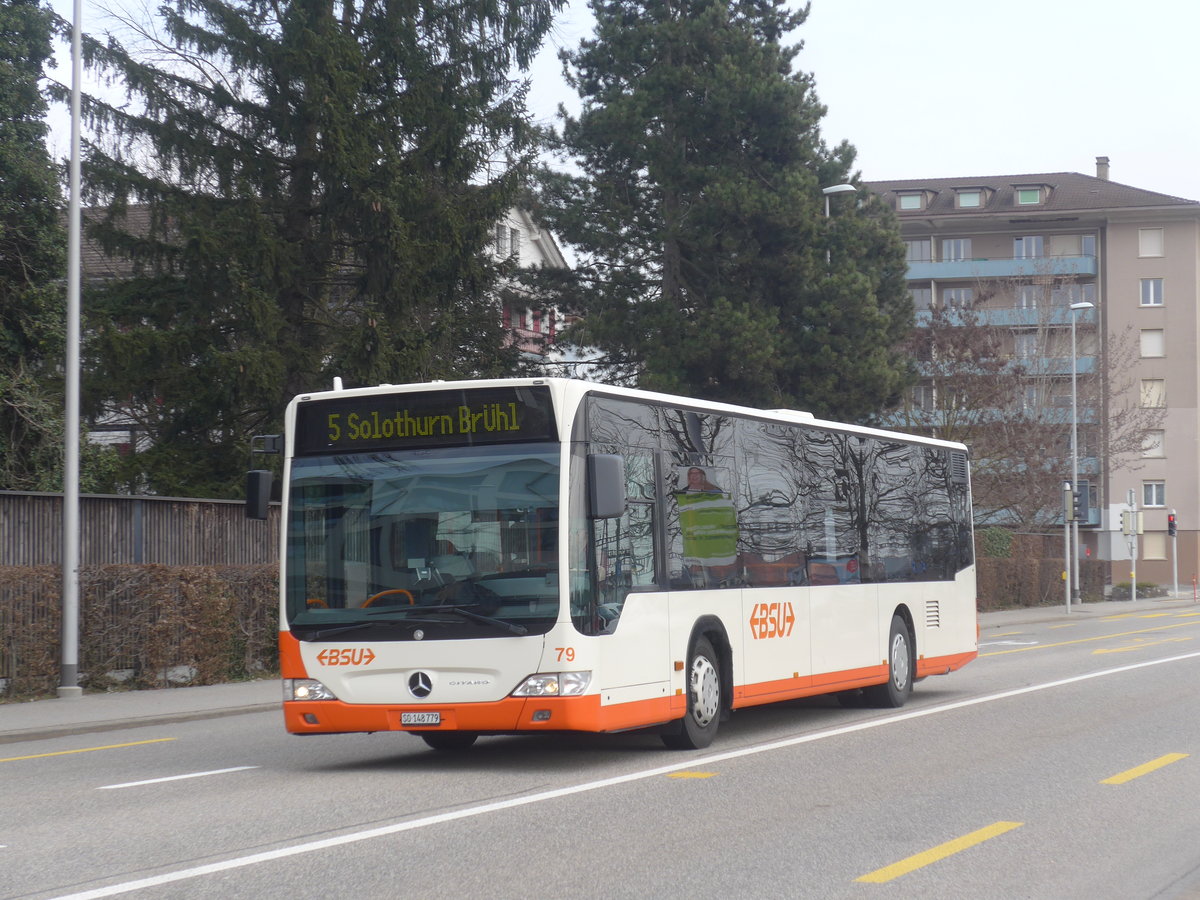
{"x": 995, "y": 364}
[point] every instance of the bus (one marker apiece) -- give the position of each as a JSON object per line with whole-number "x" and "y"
{"x": 547, "y": 555}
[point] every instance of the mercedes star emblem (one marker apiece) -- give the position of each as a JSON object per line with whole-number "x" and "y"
{"x": 420, "y": 685}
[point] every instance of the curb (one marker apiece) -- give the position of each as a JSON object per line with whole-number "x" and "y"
{"x": 44, "y": 732}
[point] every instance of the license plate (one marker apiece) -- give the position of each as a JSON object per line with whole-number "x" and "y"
{"x": 420, "y": 718}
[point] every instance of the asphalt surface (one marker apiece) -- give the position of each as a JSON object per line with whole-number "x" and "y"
{"x": 90, "y": 713}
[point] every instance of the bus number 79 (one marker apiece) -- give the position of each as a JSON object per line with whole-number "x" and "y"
{"x": 566, "y": 654}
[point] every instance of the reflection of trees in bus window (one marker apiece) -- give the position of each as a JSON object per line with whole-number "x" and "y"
{"x": 623, "y": 547}
{"x": 773, "y": 506}
{"x": 811, "y": 505}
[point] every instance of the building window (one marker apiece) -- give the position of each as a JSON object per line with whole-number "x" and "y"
{"x": 1154, "y": 545}
{"x": 1150, "y": 242}
{"x": 970, "y": 199}
{"x": 1029, "y": 196}
{"x": 1031, "y": 398}
{"x": 1028, "y": 247}
{"x": 919, "y": 250}
{"x": 514, "y": 244}
{"x": 1025, "y": 344}
{"x": 923, "y": 397}
{"x": 958, "y": 298}
{"x": 911, "y": 201}
{"x": 1153, "y": 342}
{"x": 1088, "y": 245}
{"x": 1153, "y": 443}
{"x": 1067, "y": 294}
{"x": 956, "y": 249}
{"x": 922, "y": 298}
{"x": 1152, "y": 292}
{"x": 1154, "y": 493}
{"x": 1030, "y": 295}
{"x": 1154, "y": 393}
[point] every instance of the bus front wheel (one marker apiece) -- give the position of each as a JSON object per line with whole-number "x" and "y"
{"x": 892, "y": 693}
{"x": 698, "y": 727}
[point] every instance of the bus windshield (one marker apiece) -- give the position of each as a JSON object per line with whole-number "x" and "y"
{"x": 458, "y": 542}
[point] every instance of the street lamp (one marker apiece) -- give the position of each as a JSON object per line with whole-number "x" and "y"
{"x": 1075, "y": 307}
{"x": 828, "y": 192}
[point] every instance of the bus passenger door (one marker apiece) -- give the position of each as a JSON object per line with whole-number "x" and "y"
{"x": 633, "y": 645}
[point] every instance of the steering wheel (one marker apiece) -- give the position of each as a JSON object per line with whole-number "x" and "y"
{"x": 411, "y": 599}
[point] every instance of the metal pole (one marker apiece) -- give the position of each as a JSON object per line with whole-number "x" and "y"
{"x": 828, "y": 257}
{"x": 1133, "y": 546}
{"x": 1175, "y": 559}
{"x": 1067, "y": 543}
{"x": 1074, "y": 458}
{"x": 69, "y": 676}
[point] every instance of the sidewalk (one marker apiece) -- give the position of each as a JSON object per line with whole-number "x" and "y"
{"x": 40, "y": 719}
{"x": 90, "y": 713}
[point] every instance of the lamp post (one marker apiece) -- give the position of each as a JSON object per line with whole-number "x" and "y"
{"x": 1075, "y": 307}
{"x": 69, "y": 688}
{"x": 829, "y": 192}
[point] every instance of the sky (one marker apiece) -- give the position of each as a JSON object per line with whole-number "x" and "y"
{"x": 960, "y": 88}
{"x": 957, "y": 88}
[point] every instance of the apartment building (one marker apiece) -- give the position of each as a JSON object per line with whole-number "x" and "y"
{"x": 1092, "y": 283}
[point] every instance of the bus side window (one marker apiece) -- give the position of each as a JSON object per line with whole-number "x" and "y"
{"x": 624, "y": 545}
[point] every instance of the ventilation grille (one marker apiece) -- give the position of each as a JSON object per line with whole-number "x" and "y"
{"x": 958, "y": 467}
{"x": 933, "y": 614}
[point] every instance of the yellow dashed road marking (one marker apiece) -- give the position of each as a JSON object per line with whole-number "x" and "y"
{"x": 1145, "y": 768}
{"x": 940, "y": 852}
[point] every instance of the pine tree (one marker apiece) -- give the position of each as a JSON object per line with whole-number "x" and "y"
{"x": 302, "y": 190}
{"x": 32, "y": 255}
{"x": 699, "y": 216}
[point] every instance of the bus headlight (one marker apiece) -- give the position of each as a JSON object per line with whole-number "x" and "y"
{"x": 306, "y": 689}
{"x": 554, "y": 684}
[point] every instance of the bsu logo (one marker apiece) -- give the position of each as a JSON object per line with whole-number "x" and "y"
{"x": 772, "y": 620}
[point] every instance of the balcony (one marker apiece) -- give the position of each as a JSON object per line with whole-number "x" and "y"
{"x": 982, "y": 268}
{"x": 1009, "y": 317}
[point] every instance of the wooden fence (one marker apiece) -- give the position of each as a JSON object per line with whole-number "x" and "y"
{"x": 136, "y": 530}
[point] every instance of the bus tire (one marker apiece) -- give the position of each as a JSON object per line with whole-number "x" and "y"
{"x": 698, "y": 727}
{"x": 892, "y": 693}
{"x": 449, "y": 741}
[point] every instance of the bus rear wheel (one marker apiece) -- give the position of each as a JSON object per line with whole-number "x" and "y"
{"x": 892, "y": 693}
{"x": 698, "y": 727}
{"x": 449, "y": 740}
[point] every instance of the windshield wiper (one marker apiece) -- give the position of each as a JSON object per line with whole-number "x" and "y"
{"x": 466, "y": 613}
{"x": 330, "y": 632}
{"x": 356, "y": 626}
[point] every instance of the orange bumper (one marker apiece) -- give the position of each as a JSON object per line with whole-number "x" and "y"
{"x": 508, "y": 716}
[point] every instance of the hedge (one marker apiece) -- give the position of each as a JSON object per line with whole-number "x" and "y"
{"x": 140, "y": 626}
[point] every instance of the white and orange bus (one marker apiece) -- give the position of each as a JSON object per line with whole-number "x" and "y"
{"x": 540, "y": 555}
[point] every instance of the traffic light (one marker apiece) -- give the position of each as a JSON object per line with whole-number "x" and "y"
{"x": 1080, "y": 500}
{"x": 1076, "y": 503}
{"x": 1171, "y": 527}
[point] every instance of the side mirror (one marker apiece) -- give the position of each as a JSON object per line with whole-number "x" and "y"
{"x": 258, "y": 493}
{"x": 606, "y": 485}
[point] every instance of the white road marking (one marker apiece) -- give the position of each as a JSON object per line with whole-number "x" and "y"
{"x": 1008, "y": 643}
{"x": 113, "y": 787}
{"x": 513, "y": 803}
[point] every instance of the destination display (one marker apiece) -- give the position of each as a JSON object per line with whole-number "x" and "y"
{"x": 460, "y": 418}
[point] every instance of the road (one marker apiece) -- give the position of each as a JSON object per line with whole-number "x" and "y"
{"x": 1063, "y": 763}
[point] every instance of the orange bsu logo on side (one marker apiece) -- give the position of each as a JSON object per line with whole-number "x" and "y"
{"x": 772, "y": 620}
